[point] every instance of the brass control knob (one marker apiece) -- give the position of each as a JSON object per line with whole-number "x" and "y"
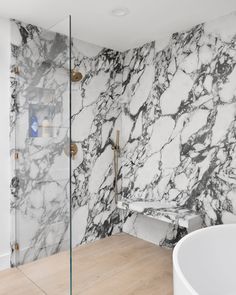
{"x": 73, "y": 150}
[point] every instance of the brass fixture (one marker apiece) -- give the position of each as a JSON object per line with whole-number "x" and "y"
{"x": 15, "y": 247}
{"x": 15, "y": 70}
{"x": 116, "y": 145}
{"x": 16, "y": 156}
{"x": 73, "y": 150}
{"x": 116, "y": 148}
{"x": 118, "y": 140}
{"x": 76, "y": 76}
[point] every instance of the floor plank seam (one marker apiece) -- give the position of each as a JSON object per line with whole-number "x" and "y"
{"x": 36, "y": 285}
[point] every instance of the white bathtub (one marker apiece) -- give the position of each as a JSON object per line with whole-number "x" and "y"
{"x": 205, "y": 262}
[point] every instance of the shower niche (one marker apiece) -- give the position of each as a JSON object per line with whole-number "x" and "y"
{"x": 44, "y": 113}
{"x": 41, "y": 120}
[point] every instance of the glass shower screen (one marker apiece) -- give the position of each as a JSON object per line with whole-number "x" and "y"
{"x": 41, "y": 152}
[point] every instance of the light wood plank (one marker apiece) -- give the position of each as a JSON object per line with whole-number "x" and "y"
{"x": 117, "y": 265}
{"x": 14, "y": 282}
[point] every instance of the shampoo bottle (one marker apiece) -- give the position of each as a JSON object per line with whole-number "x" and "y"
{"x": 46, "y": 132}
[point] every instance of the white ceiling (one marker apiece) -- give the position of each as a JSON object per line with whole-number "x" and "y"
{"x": 92, "y": 21}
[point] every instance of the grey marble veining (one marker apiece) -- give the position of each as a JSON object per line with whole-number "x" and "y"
{"x": 177, "y": 216}
{"x": 96, "y": 116}
{"x": 179, "y": 121}
{"x": 174, "y": 102}
{"x": 40, "y": 182}
{"x": 40, "y": 197}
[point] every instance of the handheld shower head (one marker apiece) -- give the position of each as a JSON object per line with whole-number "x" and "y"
{"x": 111, "y": 142}
{"x": 115, "y": 145}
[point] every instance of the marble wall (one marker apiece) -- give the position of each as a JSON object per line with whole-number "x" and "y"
{"x": 95, "y": 118}
{"x": 179, "y": 143}
{"x": 174, "y": 102}
{"x": 40, "y": 182}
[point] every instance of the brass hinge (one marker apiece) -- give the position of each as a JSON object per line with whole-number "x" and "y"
{"x": 16, "y": 247}
{"x": 15, "y": 70}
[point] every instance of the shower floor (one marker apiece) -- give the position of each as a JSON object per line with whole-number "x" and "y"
{"x": 117, "y": 265}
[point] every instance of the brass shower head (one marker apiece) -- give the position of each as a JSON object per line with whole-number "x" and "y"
{"x": 76, "y": 76}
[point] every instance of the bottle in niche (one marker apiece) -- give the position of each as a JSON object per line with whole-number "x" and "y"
{"x": 34, "y": 126}
{"x": 46, "y": 128}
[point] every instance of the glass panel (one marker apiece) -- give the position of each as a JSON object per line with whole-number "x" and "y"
{"x": 40, "y": 140}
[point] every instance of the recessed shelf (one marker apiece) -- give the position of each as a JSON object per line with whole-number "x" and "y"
{"x": 40, "y": 120}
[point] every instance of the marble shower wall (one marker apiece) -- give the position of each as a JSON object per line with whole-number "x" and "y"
{"x": 178, "y": 125}
{"x": 40, "y": 183}
{"x": 96, "y": 116}
{"x": 174, "y": 102}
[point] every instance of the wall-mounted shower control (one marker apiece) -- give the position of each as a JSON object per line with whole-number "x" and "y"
{"x": 73, "y": 150}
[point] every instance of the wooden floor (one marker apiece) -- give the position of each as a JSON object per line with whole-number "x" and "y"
{"x": 118, "y": 265}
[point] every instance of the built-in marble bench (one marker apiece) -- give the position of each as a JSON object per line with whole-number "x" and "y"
{"x": 180, "y": 216}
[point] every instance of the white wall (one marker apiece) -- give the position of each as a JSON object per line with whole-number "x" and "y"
{"x": 4, "y": 144}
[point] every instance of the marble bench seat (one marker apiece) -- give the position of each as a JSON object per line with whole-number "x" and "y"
{"x": 180, "y": 216}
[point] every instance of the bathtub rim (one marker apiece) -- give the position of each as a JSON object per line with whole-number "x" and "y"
{"x": 176, "y": 266}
